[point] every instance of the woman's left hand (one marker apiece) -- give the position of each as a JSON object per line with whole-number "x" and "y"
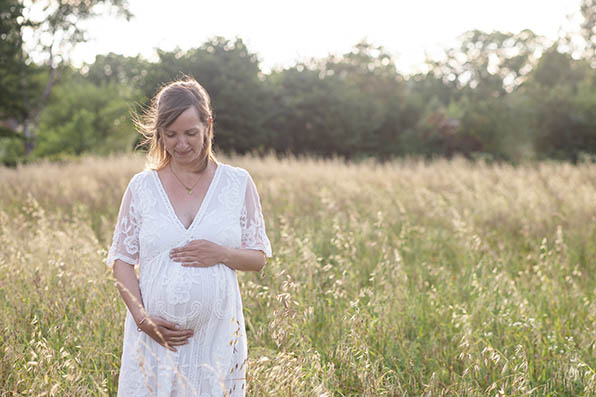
{"x": 199, "y": 253}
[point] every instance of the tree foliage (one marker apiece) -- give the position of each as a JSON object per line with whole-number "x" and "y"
{"x": 496, "y": 95}
{"x": 87, "y": 118}
{"x": 55, "y": 28}
{"x": 490, "y": 64}
{"x": 588, "y": 27}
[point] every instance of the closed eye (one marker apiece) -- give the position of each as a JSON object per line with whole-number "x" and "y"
{"x": 190, "y": 132}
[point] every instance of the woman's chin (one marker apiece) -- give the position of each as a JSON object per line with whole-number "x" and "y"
{"x": 184, "y": 157}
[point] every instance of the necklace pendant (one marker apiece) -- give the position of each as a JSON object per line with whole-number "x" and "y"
{"x": 189, "y": 191}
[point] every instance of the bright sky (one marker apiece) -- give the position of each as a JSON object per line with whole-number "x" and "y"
{"x": 282, "y": 32}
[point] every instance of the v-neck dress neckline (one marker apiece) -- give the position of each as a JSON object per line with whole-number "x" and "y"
{"x": 201, "y": 209}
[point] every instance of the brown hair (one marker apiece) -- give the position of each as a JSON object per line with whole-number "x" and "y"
{"x": 169, "y": 103}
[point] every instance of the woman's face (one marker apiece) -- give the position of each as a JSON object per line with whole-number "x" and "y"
{"x": 185, "y": 138}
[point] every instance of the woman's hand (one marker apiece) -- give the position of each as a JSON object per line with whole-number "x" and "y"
{"x": 165, "y": 333}
{"x": 199, "y": 253}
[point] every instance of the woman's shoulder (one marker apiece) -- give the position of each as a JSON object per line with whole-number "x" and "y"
{"x": 233, "y": 171}
{"x": 140, "y": 177}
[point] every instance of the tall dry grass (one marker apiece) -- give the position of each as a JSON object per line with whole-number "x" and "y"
{"x": 408, "y": 278}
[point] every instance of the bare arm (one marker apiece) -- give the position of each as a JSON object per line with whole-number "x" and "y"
{"x": 204, "y": 253}
{"x": 244, "y": 259}
{"x": 128, "y": 286}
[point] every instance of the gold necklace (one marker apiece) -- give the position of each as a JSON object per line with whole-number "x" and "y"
{"x": 188, "y": 189}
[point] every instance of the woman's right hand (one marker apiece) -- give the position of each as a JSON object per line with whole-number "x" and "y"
{"x": 166, "y": 333}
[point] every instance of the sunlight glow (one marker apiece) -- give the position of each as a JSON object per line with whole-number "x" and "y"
{"x": 281, "y": 33}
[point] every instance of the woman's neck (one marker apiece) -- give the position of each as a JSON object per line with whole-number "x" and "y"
{"x": 181, "y": 168}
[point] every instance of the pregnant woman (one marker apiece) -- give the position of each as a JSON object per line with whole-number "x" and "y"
{"x": 189, "y": 223}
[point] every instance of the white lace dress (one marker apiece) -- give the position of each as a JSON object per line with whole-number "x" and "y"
{"x": 204, "y": 299}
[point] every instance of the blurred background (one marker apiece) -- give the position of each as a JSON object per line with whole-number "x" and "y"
{"x": 464, "y": 267}
{"x": 508, "y": 81}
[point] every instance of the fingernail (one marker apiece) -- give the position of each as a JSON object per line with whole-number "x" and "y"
{"x": 177, "y": 326}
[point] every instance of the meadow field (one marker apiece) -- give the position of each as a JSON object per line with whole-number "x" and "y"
{"x": 406, "y": 278}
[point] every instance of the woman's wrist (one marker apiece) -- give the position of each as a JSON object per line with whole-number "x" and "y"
{"x": 226, "y": 257}
{"x": 139, "y": 316}
{"x": 140, "y": 323}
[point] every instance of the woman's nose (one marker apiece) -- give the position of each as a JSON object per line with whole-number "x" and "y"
{"x": 181, "y": 143}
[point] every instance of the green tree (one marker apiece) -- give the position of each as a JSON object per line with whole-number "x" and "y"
{"x": 314, "y": 115}
{"x": 17, "y": 77}
{"x": 12, "y": 66}
{"x": 490, "y": 64}
{"x": 83, "y": 117}
{"x": 432, "y": 90}
{"x": 562, "y": 93}
{"x": 555, "y": 68}
{"x": 56, "y": 28}
{"x": 379, "y": 91}
{"x": 588, "y": 27}
{"x": 118, "y": 69}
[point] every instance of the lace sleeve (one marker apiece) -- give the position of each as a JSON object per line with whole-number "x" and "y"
{"x": 125, "y": 244}
{"x": 252, "y": 223}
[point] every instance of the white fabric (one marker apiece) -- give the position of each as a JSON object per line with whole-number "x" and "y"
{"x": 204, "y": 299}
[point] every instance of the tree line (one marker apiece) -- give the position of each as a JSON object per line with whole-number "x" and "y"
{"x": 498, "y": 95}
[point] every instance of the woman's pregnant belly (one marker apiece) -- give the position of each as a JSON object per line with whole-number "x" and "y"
{"x": 187, "y": 296}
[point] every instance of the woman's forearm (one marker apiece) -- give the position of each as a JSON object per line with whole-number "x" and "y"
{"x": 128, "y": 285}
{"x": 244, "y": 259}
